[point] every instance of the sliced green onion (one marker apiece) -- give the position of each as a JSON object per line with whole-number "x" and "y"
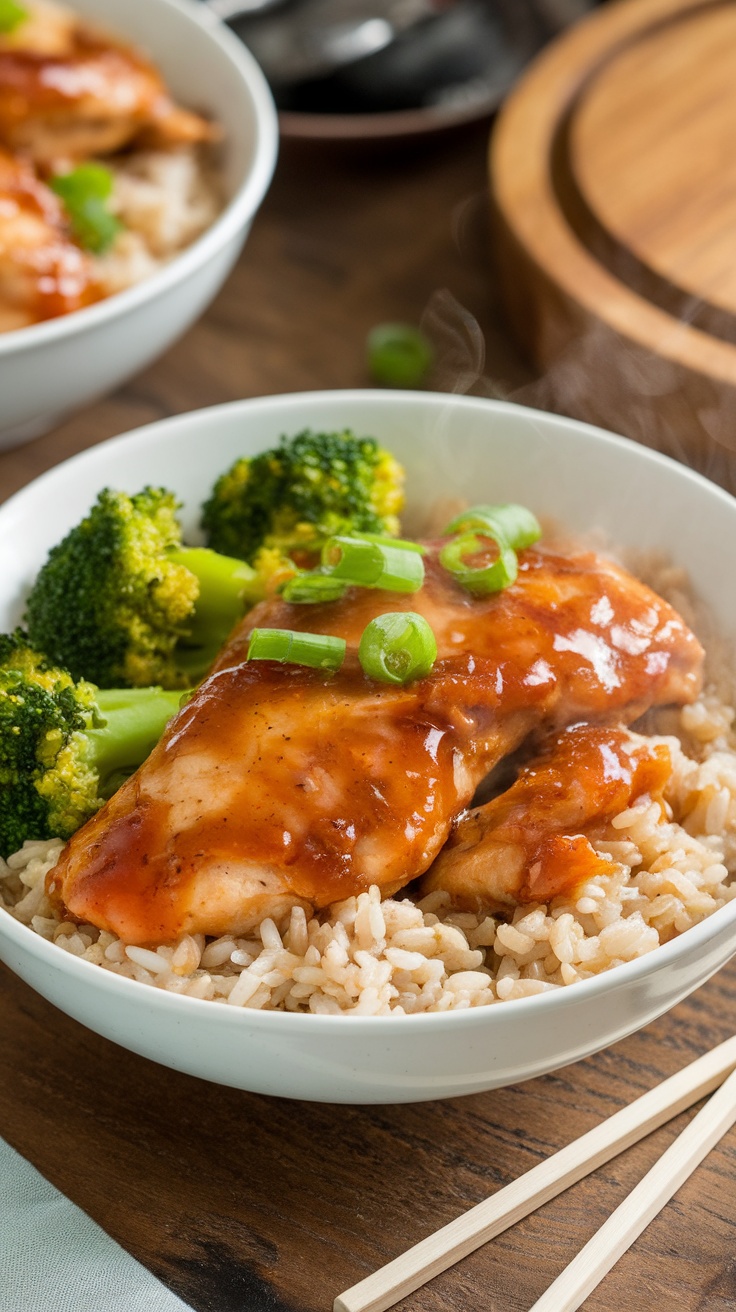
{"x": 319, "y": 650}
{"x": 397, "y": 647}
{"x": 405, "y": 543}
{"x": 313, "y": 588}
{"x": 517, "y": 524}
{"x": 374, "y": 561}
{"x": 480, "y": 579}
{"x": 363, "y": 563}
{"x": 11, "y": 15}
{"x": 86, "y": 193}
{"x": 399, "y": 355}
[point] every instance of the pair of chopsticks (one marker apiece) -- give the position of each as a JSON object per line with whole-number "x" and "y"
{"x": 489, "y": 1218}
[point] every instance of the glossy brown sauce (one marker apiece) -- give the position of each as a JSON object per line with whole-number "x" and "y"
{"x": 288, "y": 780}
{"x": 91, "y": 68}
{"x": 93, "y": 98}
{"x": 590, "y": 776}
{"x": 42, "y": 271}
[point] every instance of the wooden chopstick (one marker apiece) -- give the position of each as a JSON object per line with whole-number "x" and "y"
{"x": 623, "y": 1226}
{"x": 495, "y": 1214}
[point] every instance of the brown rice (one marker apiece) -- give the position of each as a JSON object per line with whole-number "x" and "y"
{"x": 369, "y": 957}
{"x": 164, "y": 200}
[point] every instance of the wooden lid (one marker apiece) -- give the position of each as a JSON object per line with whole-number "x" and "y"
{"x": 613, "y": 170}
{"x": 652, "y": 146}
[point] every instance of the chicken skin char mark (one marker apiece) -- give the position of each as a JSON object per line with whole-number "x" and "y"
{"x": 277, "y": 786}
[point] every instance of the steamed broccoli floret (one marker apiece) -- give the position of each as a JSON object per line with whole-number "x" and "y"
{"x": 292, "y": 498}
{"x": 64, "y": 745}
{"x": 121, "y": 602}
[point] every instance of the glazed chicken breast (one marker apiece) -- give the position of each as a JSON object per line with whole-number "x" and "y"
{"x": 68, "y": 91}
{"x": 532, "y": 843}
{"x": 42, "y": 272}
{"x": 279, "y": 785}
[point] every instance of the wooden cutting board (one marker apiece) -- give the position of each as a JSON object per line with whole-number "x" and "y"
{"x": 613, "y": 176}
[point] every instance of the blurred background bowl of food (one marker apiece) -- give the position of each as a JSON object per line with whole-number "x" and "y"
{"x": 630, "y": 498}
{"x": 51, "y": 367}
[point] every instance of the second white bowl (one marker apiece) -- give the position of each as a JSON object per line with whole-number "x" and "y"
{"x": 54, "y": 367}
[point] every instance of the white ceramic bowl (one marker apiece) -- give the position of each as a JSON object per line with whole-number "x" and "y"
{"x": 480, "y": 450}
{"x": 57, "y": 366}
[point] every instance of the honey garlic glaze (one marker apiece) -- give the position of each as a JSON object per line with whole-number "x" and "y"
{"x": 280, "y": 785}
{"x": 526, "y": 845}
{"x": 81, "y": 93}
{"x": 42, "y": 272}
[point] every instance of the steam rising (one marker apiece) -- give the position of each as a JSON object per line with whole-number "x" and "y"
{"x": 459, "y": 345}
{"x": 600, "y": 378}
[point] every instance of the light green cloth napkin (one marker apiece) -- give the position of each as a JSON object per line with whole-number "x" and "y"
{"x": 53, "y": 1258}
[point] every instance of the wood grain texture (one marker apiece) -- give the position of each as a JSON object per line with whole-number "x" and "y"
{"x": 557, "y": 1172}
{"x": 651, "y": 144}
{"x": 238, "y": 1201}
{"x": 661, "y": 1182}
{"x": 241, "y": 1202}
{"x": 614, "y": 184}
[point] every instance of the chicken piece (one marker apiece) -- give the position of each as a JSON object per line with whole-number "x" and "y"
{"x": 47, "y": 29}
{"x": 42, "y": 273}
{"x": 531, "y": 843}
{"x": 279, "y": 785}
{"x": 68, "y": 91}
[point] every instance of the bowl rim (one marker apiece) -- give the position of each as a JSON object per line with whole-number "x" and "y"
{"x": 619, "y": 977}
{"x": 241, "y": 207}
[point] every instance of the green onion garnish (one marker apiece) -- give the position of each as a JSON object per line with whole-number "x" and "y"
{"x": 397, "y": 647}
{"x": 399, "y": 355}
{"x": 318, "y": 650}
{"x": 86, "y": 192}
{"x": 11, "y": 15}
{"x": 313, "y": 588}
{"x": 517, "y": 524}
{"x": 366, "y": 563}
{"x": 480, "y": 579}
{"x": 383, "y": 541}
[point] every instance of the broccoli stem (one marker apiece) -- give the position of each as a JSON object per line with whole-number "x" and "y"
{"x": 133, "y": 721}
{"x": 225, "y": 590}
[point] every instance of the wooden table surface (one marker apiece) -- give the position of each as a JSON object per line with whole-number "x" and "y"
{"x": 240, "y": 1202}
